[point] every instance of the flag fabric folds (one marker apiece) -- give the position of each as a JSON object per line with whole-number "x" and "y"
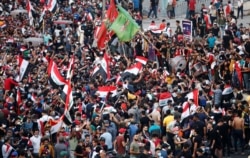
{"x": 124, "y": 25}
{"x": 67, "y": 96}
{"x": 105, "y": 90}
{"x": 55, "y": 77}
{"x": 102, "y": 68}
{"x": 164, "y": 98}
{"x": 194, "y": 95}
{"x": 51, "y": 6}
{"x": 133, "y": 70}
{"x": 24, "y": 68}
{"x": 141, "y": 59}
{"x": 99, "y": 71}
{"x": 101, "y": 36}
{"x": 112, "y": 12}
{"x": 31, "y": 12}
{"x": 55, "y": 125}
{"x": 187, "y": 109}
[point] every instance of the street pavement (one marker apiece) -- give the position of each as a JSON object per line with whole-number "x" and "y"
{"x": 146, "y": 21}
{"x": 181, "y": 9}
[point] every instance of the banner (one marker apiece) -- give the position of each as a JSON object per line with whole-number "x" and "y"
{"x": 187, "y": 29}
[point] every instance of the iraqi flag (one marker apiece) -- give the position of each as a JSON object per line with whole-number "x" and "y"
{"x": 41, "y": 17}
{"x": 227, "y": 93}
{"x": 133, "y": 70}
{"x": 99, "y": 71}
{"x": 188, "y": 109}
{"x": 141, "y": 59}
{"x": 67, "y": 119}
{"x": 67, "y": 96}
{"x": 55, "y": 77}
{"x": 34, "y": 98}
{"x": 55, "y": 125}
{"x": 51, "y": 6}
{"x": 194, "y": 95}
{"x": 118, "y": 80}
{"x": 24, "y": 67}
{"x": 106, "y": 65}
{"x": 157, "y": 31}
{"x": 31, "y": 12}
{"x": 103, "y": 91}
{"x": 164, "y": 98}
{"x": 103, "y": 69}
{"x": 89, "y": 16}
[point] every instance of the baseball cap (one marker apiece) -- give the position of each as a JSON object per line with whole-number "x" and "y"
{"x": 122, "y": 130}
{"x": 14, "y": 153}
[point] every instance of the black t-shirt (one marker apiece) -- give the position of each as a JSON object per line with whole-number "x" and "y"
{"x": 153, "y": 2}
{"x": 79, "y": 150}
{"x": 217, "y": 116}
{"x": 223, "y": 130}
{"x": 197, "y": 139}
{"x": 185, "y": 154}
{"x": 144, "y": 121}
{"x": 226, "y": 41}
{"x": 214, "y": 135}
{"x": 199, "y": 126}
{"x": 247, "y": 47}
{"x": 215, "y": 31}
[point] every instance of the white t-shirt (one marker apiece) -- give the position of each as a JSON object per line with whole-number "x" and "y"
{"x": 36, "y": 141}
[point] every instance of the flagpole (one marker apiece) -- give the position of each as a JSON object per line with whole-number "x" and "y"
{"x": 103, "y": 8}
{"x": 43, "y": 26}
{"x": 147, "y": 40}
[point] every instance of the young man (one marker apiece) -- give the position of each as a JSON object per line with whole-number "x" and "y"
{"x": 120, "y": 143}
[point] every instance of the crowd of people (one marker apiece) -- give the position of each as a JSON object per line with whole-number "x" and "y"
{"x": 165, "y": 96}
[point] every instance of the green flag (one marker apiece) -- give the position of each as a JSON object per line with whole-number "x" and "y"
{"x": 26, "y": 53}
{"x": 124, "y": 25}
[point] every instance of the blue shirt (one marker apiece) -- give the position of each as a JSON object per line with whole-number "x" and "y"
{"x": 132, "y": 131}
{"x": 154, "y": 127}
{"x": 211, "y": 42}
{"x": 136, "y": 4}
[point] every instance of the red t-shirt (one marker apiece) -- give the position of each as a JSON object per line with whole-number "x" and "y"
{"x": 192, "y": 5}
{"x": 120, "y": 148}
{"x": 9, "y": 83}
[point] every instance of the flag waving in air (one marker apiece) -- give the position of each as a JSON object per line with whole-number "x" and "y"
{"x": 124, "y": 25}
{"x": 55, "y": 77}
{"x": 31, "y": 12}
{"x": 112, "y": 12}
{"x": 103, "y": 34}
